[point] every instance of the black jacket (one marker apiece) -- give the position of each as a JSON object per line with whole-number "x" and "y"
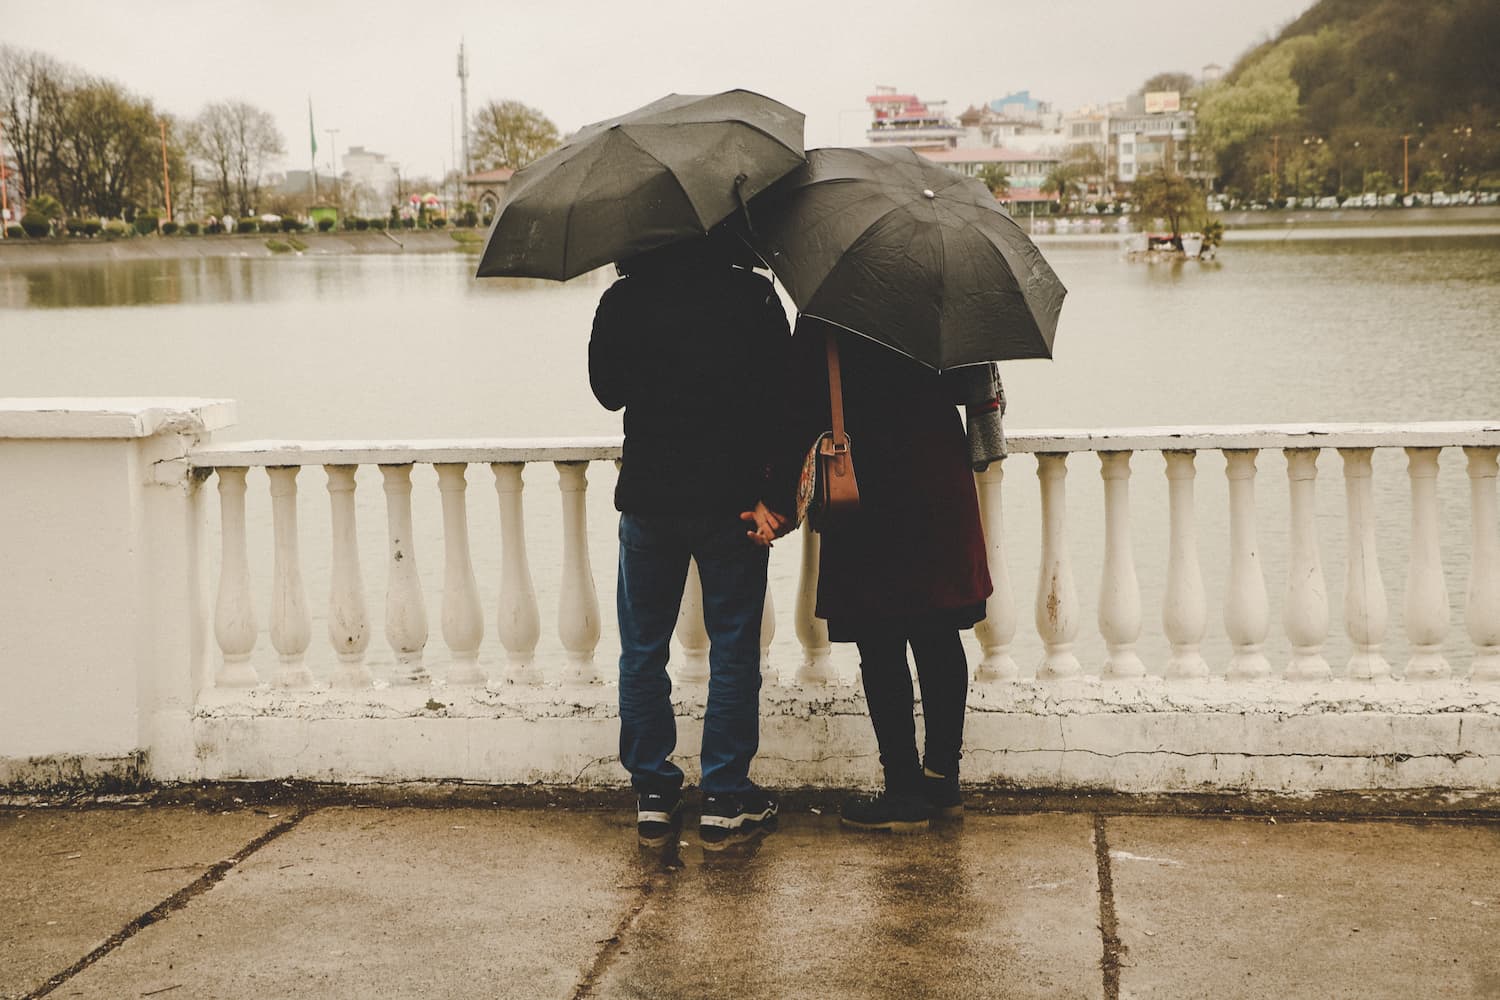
{"x": 696, "y": 352}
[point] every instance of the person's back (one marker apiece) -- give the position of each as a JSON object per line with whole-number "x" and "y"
{"x": 694, "y": 350}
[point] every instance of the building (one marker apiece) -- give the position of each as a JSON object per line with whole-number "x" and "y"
{"x": 1153, "y": 131}
{"x": 903, "y": 120}
{"x": 370, "y": 181}
{"x": 1027, "y": 170}
{"x": 488, "y": 190}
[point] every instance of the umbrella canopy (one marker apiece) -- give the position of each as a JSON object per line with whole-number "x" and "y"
{"x": 898, "y": 249}
{"x": 661, "y": 173}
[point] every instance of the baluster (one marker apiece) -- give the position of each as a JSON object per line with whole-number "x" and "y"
{"x": 812, "y": 631}
{"x": 1364, "y": 590}
{"x": 405, "y": 611}
{"x": 1056, "y": 599}
{"x": 998, "y": 629}
{"x": 767, "y": 636}
{"x": 463, "y": 618}
{"x": 691, "y": 633}
{"x": 1247, "y": 614}
{"x": 578, "y": 610}
{"x": 291, "y": 626}
{"x": 1482, "y": 608}
{"x": 1184, "y": 612}
{"x": 235, "y": 627}
{"x": 348, "y": 623}
{"x": 1426, "y": 591}
{"x": 1119, "y": 589}
{"x": 519, "y": 624}
{"x": 1306, "y": 613}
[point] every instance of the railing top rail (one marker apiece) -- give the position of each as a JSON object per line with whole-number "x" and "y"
{"x": 241, "y": 454}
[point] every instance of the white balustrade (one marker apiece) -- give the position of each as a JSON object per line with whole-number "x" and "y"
{"x": 767, "y": 636}
{"x": 1482, "y": 603}
{"x": 812, "y": 631}
{"x": 234, "y": 611}
{"x": 348, "y": 622}
{"x": 1056, "y": 598}
{"x": 1119, "y": 588}
{"x": 463, "y": 618}
{"x": 578, "y": 602}
{"x": 519, "y": 624}
{"x": 1306, "y": 612}
{"x": 1426, "y": 591}
{"x": 291, "y": 625}
{"x": 405, "y": 610}
{"x": 692, "y": 666}
{"x": 1184, "y": 615}
{"x": 998, "y": 629}
{"x": 1364, "y": 590}
{"x": 1247, "y": 614}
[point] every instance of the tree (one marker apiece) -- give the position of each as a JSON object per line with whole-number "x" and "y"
{"x": 32, "y": 88}
{"x": 1171, "y": 197}
{"x": 511, "y": 134}
{"x": 1063, "y": 184}
{"x": 234, "y": 140}
{"x": 996, "y": 178}
{"x": 110, "y": 153}
{"x": 1180, "y": 82}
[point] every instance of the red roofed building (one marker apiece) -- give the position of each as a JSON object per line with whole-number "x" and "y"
{"x": 488, "y": 190}
{"x": 902, "y": 119}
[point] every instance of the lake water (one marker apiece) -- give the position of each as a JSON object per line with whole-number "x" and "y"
{"x": 1338, "y": 326}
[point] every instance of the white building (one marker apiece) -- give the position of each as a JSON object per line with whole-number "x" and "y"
{"x": 370, "y": 181}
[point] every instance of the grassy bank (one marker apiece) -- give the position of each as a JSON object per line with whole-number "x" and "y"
{"x": 60, "y": 249}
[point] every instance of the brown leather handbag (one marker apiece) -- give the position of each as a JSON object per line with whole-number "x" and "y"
{"x": 828, "y": 489}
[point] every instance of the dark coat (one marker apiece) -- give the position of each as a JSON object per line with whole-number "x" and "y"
{"x": 695, "y": 351}
{"x": 914, "y": 552}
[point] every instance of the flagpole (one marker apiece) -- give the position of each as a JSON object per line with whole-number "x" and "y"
{"x": 312, "y": 158}
{"x": 4, "y": 185}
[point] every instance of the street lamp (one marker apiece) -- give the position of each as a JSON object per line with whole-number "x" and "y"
{"x": 338, "y": 189}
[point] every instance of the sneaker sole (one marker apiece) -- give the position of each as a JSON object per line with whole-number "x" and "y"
{"x": 897, "y": 826}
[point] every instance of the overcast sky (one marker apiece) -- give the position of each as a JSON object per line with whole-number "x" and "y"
{"x": 383, "y": 73}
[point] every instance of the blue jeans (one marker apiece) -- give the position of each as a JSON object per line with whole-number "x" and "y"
{"x": 654, "y": 552}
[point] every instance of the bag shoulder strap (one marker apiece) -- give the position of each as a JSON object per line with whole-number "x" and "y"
{"x": 835, "y": 391}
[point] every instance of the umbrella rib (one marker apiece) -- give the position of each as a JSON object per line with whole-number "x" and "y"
{"x": 672, "y": 174}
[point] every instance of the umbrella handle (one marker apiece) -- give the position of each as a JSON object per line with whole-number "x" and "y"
{"x": 744, "y": 208}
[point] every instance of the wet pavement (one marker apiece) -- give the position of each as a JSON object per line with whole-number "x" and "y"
{"x": 325, "y": 900}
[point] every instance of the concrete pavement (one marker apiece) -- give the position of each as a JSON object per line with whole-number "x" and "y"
{"x": 307, "y": 898}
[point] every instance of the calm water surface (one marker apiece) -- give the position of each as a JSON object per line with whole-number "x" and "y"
{"x": 1385, "y": 329}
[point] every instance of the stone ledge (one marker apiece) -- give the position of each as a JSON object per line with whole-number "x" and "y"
{"x": 112, "y": 417}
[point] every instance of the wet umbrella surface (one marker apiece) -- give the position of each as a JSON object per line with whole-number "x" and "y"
{"x": 661, "y": 173}
{"x": 912, "y": 255}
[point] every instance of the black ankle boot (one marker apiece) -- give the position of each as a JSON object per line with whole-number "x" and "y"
{"x": 942, "y": 794}
{"x": 901, "y": 808}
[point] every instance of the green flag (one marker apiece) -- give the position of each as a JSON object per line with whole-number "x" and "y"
{"x": 312, "y": 134}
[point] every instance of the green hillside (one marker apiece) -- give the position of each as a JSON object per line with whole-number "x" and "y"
{"x": 1323, "y": 108}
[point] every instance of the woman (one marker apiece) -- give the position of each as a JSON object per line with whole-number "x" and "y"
{"x": 907, "y": 569}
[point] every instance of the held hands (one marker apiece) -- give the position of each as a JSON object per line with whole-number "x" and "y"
{"x": 769, "y": 525}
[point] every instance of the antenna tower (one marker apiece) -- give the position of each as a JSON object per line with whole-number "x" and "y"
{"x": 463, "y": 101}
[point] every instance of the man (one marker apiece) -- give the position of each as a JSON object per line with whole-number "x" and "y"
{"x": 694, "y": 349}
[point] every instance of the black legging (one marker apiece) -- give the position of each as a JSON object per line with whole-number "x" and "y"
{"x": 943, "y": 672}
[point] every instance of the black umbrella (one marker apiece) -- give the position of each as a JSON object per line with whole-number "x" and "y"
{"x": 912, "y": 255}
{"x": 661, "y": 173}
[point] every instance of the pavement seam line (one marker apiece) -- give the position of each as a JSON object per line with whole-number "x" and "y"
{"x": 616, "y": 941}
{"x": 1109, "y": 928}
{"x": 172, "y": 903}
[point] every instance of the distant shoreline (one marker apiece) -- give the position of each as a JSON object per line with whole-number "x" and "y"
{"x": 72, "y": 249}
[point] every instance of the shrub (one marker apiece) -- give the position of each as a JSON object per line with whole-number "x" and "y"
{"x": 290, "y": 225}
{"x": 168, "y": 228}
{"x": 191, "y": 228}
{"x": 377, "y": 223}
{"x": 36, "y": 226}
{"x": 324, "y": 225}
{"x": 213, "y": 226}
{"x": 347, "y": 224}
{"x": 470, "y": 218}
{"x": 363, "y": 224}
{"x": 145, "y": 224}
{"x": 276, "y": 246}
{"x": 115, "y": 228}
{"x": 438, "y": 222}
{"x": 248, "y": 224}
{"x": 14, "y": 231}
{"x": 409, "y": 223}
